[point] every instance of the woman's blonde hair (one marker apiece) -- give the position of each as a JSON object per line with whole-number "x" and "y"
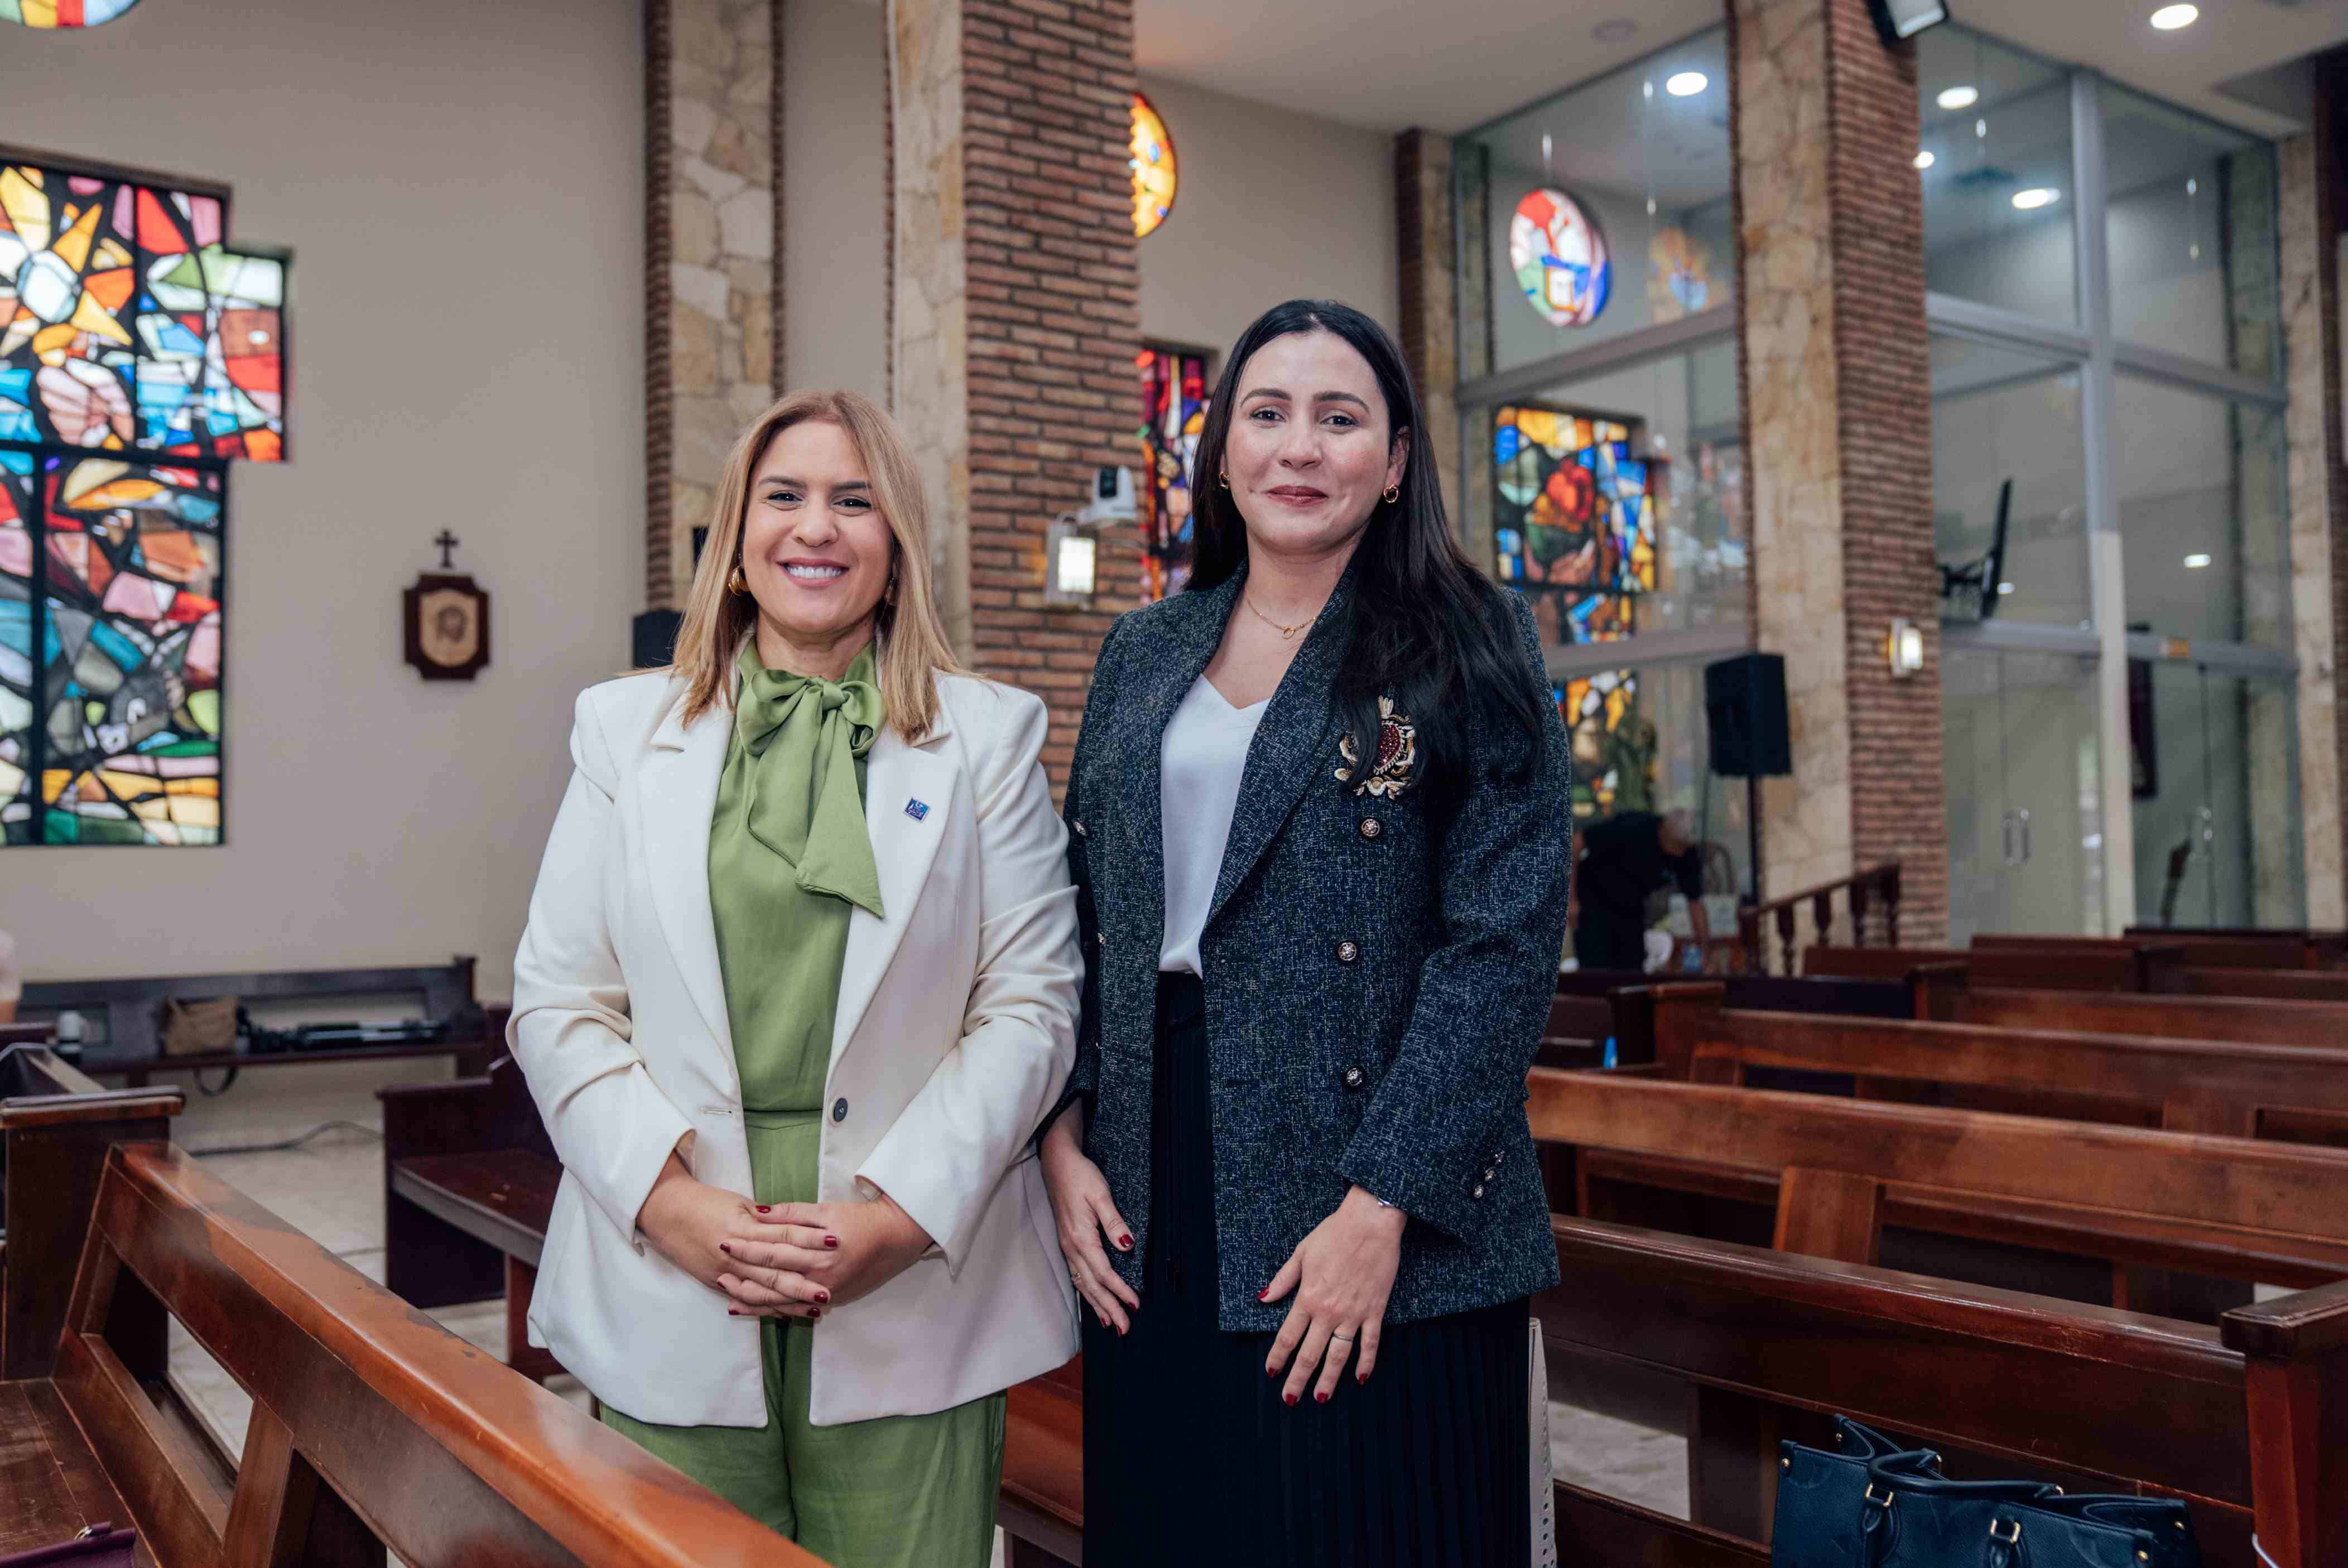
{"x": 909, "y": 645}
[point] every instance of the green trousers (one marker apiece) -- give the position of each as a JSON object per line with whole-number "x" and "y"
{"x": 901, "y": 1492}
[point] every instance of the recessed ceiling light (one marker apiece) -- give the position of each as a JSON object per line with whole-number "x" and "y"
{"x": 1958, "y": 98}
{"x": 1924, "y": 159}
{"x": 1686, "y": 83}
{"x": 2035, "y": 197}
{"x": 2196, "y": 562}
{"x": 2169, "y": 19}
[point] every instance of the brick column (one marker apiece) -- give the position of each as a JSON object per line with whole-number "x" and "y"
{"x": 1016, "y": 312}
{"x": 713, "y": 174}
{"x": 1423, "y": 250}
{"x": 1838, "y": 412}
{"x": 2311, "y": 209}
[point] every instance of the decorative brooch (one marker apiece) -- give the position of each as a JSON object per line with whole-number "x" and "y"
{"x": 1397, "y": 753}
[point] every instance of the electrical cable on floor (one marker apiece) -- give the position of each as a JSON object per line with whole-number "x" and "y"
{"x": 288, "y": 1143}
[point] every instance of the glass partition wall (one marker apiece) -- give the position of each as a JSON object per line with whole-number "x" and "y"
{"x": 2109, "y": 484}
{"x": 1602, "y": 468}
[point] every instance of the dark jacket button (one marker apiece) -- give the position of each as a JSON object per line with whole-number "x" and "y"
{"x": 1356, "y": 1078}
{"x": 1101, "y": 937}
{"x": 1348, "y": 951}
{"x": 1372, "y": 827}
{"x": 1478, "y": 1194}
{"x": 839, "y": 1110}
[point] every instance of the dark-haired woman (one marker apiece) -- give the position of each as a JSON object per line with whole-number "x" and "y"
{"x": 1319, "y": 827}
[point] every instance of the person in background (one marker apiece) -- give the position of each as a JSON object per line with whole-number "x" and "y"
{"x": 1624, "y": 858}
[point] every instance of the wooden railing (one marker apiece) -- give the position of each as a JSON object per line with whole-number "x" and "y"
{"x": 1878, "y": 887}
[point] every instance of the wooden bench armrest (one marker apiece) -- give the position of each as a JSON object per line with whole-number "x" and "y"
{"x": 2291, "y": 1327}
{"x": 446, "y": 1455}
{"x": 99, "y": 1105}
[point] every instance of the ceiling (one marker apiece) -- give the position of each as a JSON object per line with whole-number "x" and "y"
{"x": 1386, "y": 65}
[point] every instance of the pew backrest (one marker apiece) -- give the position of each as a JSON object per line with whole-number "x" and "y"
{"x": 2091, "y": 971}
{"x": 370, "y": 1422}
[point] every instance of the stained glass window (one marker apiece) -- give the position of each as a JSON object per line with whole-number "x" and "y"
{"x": 1615, "y": 744}
{"x": 1559, "y": 258}
{"x": 140, "y": 354}
{"x": 1576, "y": 518}
{"x": 1154, "y": 177}
{"x": 62, "y": 13}
{"x": 1173, "y": 413}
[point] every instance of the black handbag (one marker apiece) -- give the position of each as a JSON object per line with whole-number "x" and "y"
{"x": 1873, "y": 1504}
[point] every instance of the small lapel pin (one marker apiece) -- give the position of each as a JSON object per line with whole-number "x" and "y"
{"x": 917, "y": 809}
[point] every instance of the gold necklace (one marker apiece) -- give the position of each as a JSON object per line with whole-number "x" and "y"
{"x": 1285, "y": 631}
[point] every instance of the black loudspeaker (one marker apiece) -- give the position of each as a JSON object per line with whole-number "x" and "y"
{"x": 1745, "y": 706}
{"x": 654, "y": 638}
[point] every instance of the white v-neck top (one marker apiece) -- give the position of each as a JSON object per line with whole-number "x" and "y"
{"x": 1201, "y": 760}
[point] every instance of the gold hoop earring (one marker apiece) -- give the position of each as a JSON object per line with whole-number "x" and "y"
{"x": 735, "y": 583}
{"x": 1394, "y": 494}
{"x": 1226, "y": 479}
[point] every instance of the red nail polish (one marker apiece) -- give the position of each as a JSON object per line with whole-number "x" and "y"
{"x": 1264, "y": 1294}
{"x": 731, "y": 1313}
{"x": 1272, "y": 1371}
{"x": 764, "y": 1209}
{"x": 1125, "y": 1241}
{"x": 823, "y": 1295}
{"x": 1361, "y": 1377}
{"x": 815, "y": 1317}
{"x": 1290, "y": 1398}
{"x": 831, "y": 1241}
{"x": 723, "y": 1247}
{"x": 1323, "y": 1398}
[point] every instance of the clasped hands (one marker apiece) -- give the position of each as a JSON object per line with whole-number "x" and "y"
{"x": 1341, "y": 1274}
{"x": 777, "y": 1260}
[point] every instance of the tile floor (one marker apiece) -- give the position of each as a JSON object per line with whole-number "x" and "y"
{"x": 332, "y": 1188}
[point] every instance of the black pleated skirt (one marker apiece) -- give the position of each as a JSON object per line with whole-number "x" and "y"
{"x": 1192, "y": 1456}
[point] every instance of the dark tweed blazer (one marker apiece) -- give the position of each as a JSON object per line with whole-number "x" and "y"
{"x": 1376, "y": 983}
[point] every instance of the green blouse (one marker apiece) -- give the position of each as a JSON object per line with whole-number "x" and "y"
{"x": 789, "y": 857}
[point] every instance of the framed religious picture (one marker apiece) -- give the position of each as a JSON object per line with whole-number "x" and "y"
{"x": 448, "y": 621}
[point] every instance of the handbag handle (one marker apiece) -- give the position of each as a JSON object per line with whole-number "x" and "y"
{"x": 1912, "y": 1472}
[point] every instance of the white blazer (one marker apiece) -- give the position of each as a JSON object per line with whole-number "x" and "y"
{"x": 956, "y": 1030}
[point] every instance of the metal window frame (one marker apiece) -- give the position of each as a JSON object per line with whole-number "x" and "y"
{"x": 2089, "y": 347}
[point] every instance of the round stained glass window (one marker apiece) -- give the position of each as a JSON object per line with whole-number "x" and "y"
{"x": 1559, "y": 258}
{"x": 1153, "y": 168}
{"x": 62, "y": 13}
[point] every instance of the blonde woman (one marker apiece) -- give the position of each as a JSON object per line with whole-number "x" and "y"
{"x": 800, "y": 982}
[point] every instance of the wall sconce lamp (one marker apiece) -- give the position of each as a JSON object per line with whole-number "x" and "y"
{"x": 1070, "y": 555}
{"x": 1072, "y": 546}
{"x": 1904, "y": 649}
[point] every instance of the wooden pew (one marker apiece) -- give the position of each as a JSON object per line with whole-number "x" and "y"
{"x": 2320, "y": 949}
{"x": 372, "y": 1427}
{"x": 55, "y": 1125}
{"x": 2199, "y": 951}
{"x": 2183, "y": 1084}
{"x": 2278, "y": 985}
{"x": 1943, "y": 998}
{"x": 469, "y": 1175}
{"x": 2042, "y": 971}
{"x": 2171, "y": 1408}
{"x": 2243, "y": 1422}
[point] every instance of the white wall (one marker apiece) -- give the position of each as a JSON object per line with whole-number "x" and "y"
{"x": 460, "y": 185}
{"x": 1272, "y": 205}
{"x": 835, "y": 118}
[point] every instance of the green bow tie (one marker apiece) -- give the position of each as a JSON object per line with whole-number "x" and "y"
{"x": 804, "y": 736}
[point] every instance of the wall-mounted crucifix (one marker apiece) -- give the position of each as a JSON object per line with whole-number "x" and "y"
{"x": 448, "y": 620}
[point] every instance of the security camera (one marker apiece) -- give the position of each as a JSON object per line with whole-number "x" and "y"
{"x": 1111, "y": 500}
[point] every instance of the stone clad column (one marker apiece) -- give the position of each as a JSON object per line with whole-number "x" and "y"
{"x": 1016, "y": 313}
{"x": 1429, "y": 336}
{"x": 2311, "y": 212}
{"x": 712, "y": 175}
{"x": 1838, "y": 422}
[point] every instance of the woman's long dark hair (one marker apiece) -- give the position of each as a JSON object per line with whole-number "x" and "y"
{"x": 1428, "y": 629}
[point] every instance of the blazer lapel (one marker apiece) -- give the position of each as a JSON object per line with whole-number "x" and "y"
{"x": 897, "y": 776}
{"x": 1199, "y": 620}
{"x": 1292, "y": 747}
{"x": 678, "y": 789}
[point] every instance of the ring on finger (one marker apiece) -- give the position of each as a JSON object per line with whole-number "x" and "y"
{"x": 1341, "y": 1339}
